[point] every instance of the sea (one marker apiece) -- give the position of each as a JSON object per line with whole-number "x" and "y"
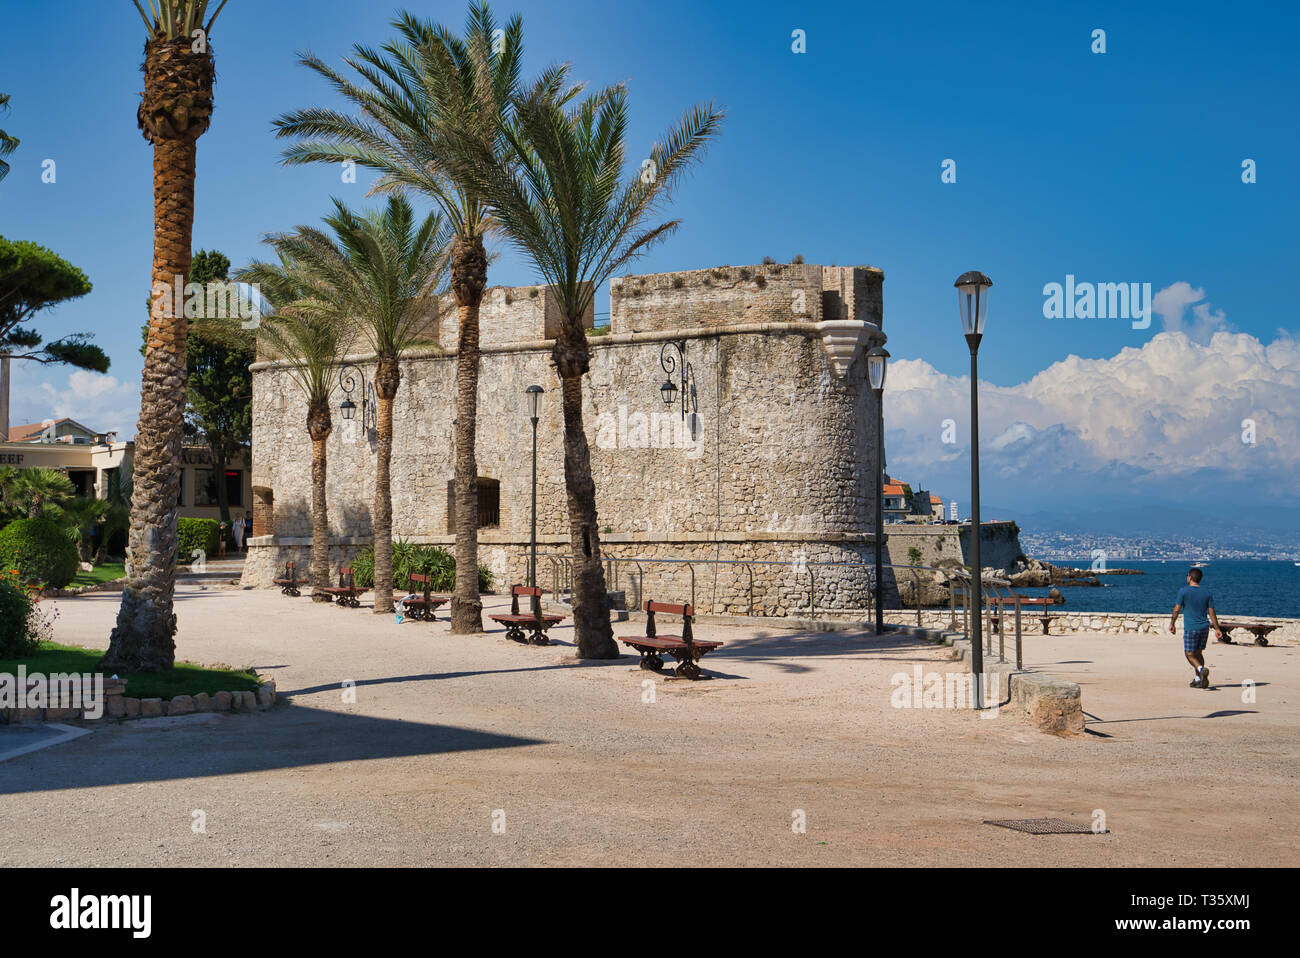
{"x": 1241, "y": 587}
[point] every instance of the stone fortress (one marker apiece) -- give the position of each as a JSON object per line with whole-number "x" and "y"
{"x": 773, "y": 465}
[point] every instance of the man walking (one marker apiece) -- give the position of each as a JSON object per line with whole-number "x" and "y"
{"x": 1196, "y": 603}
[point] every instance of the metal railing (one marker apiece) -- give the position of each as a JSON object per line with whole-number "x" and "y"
{"x": 996, "y": 597}
{"x": 992, "y": 597}
{"x": 561, "y": 574}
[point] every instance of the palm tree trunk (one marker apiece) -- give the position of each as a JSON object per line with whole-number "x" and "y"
{"x": 593, "y": 632}
{"x": 319, "y": 426}
{"x": 388, "y": 375}
{"x": 146, "y": 622}
{"x": 469, "y": 277}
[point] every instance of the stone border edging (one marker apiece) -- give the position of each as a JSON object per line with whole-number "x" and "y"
{"x": 1066, "y": 622}
{"x": 118, "y": 706}
{"x": 112, "y": 586}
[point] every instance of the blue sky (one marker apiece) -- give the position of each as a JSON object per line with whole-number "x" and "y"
{"x": 1115, "y": 167}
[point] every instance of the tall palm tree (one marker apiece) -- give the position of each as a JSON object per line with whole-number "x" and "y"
{"x": 175, "y": 110}
{"x": 562, "y": 200}
{"x": 383, "y": 271}
{"x": 309, "y": 338}
{"x": 421, "y": 87}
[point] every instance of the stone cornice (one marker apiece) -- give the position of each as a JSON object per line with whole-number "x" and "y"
{"x": 812, "y": 330}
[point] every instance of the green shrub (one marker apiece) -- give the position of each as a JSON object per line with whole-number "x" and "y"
{"x": 409, "y": 557}
{"x": 17, "y": 636}
{"x": 195, "y": 534}
{"x": 40, "y": 550}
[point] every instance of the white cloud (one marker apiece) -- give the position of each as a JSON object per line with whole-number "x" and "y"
{"x": 100, "y": 402}
{"x": 1172, "y": 303}
{"x": 1164, "y": 419}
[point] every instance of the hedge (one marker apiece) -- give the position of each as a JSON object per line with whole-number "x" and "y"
{"x": 40, "y": 550}
{"x": 197, "y": 534}
{"x": 408, "y": 557}
{"x": 17, "y": 638}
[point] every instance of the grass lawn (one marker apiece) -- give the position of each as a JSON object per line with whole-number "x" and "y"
{"x": 107, "y": 572}
{"x": 186, "y": 679}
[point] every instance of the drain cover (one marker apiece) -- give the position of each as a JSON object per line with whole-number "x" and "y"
{"x": 1044, "y": 826}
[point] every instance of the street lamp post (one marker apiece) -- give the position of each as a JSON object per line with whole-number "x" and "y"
{"x": 973, "y": 301}
{"x": 877, "y": 361}
{"x": 534, "y": 394}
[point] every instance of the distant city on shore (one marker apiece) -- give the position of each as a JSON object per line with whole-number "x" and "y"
{"x": 1081, "y": 549}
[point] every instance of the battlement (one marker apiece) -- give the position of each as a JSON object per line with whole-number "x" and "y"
{"x": 508, "y": 314}
{"x": 697, "y": 299}
{"x": 736, "y": 295}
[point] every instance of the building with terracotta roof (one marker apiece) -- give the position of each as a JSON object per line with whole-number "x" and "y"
{"x": 96, "y": 463}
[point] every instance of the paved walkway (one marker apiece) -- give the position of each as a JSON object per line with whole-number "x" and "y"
{"x": 450, "y": 735}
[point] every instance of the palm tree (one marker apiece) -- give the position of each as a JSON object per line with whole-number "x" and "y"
{"x": 424, "y": 86}
{"x": 562, "y": 201}
{"x": 383, "y": 272}
{"x": 175, "y": 110}
{"x": 309, "y": 338}
{"x": 82, "y": 514}
{"x": 7, "y": 143}
{"x": 33, "y": 490}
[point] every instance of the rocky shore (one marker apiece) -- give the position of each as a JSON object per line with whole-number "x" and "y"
{"x": 934, "y": 590}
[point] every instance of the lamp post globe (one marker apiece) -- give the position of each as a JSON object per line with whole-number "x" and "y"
{"x": 668, "y": 391}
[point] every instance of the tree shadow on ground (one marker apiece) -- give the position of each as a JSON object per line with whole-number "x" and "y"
{"x": 213, "y": 744}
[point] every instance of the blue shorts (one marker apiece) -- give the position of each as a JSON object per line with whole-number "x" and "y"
{"x": 1194, "y": 641}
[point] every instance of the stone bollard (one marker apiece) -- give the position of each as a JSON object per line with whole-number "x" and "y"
{"x": 266, "y": 695}
{"x": 1051, "y": 704}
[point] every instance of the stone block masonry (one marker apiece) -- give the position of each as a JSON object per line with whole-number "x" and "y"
{"x": 118, "y": 706}
{"x": 778, "y": 466}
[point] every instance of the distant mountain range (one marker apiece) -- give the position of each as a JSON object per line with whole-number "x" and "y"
{"x": 1256, "y": 523}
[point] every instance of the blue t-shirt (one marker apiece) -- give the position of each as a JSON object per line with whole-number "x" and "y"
{"x": 1195, "y": 600}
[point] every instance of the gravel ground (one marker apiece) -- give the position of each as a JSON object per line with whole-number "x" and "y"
{"x": 475, "y": 750}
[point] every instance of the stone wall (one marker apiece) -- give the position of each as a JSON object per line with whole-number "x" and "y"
{"x": 739, "y": 295}
{"x": 776, "y": 467}
{"x": 999, "y": 546}
{"x": 508, "y": 314}
{"x": 1105, "y": 622}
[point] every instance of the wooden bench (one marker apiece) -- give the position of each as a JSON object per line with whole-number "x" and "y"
{"x": 422, "y": 607}
{"x": 346, "y": 592}
{"x": 535, "y": 622}
{"x": 290, "y": 582}
{"x": 1009, "y": 603}
{"x": 1260, "y": 630}
{"x": 683, "y": 648}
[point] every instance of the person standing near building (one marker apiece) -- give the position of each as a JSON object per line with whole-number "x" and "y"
{"x": 237, "y": 529}
{"x": 248, "y": 529}
{"x": 1197, "y": 606}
